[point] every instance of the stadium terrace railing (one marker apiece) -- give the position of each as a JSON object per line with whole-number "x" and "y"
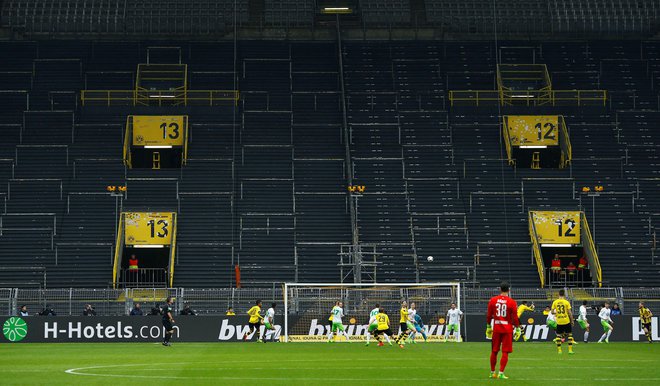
{"x": 536, "y": 249}
{"x": 215, "y": 301}
{"x": 592, "y": 252}
{"x": 528, "y": 97}
{"x": 565, "y": 144}
{"x": 158, "y": 97}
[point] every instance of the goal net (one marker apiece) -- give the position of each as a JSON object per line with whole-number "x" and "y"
{"x": 307, "y": 308}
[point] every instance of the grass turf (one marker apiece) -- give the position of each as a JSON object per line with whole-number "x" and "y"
{"x": 322, "y": 363}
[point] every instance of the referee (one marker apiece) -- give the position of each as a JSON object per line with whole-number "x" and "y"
{"x": 168, "y": 321}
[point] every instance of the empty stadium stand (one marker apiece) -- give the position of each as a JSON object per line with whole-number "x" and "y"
{"x": 266, "y": 183}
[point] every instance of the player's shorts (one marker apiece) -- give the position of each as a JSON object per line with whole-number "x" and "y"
{"x": 404, "y": 327}
{"x": 606, "y": 325}
{"x": 387, "y": 332}
{"x": 505, "y": 339}
{"x": 254, "y": 325}
{"x": 452, "y": 327}
{"x": 337, "y": 327}
{"x": 268, "y": 326}
{"x": 647, "y": 326}
{"x": 551, "y": 324}
{"x": 564, "y": 328}
{"x": 583, "y": 324}
{"x": 168, "y": 325}
{"x": 411, "y": 326}
{"x": 373, "y": 327}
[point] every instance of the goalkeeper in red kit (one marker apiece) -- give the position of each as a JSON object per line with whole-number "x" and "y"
{"x": 501, "y": 318}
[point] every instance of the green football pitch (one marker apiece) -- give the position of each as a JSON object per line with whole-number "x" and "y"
{"x": 321, "y": 363}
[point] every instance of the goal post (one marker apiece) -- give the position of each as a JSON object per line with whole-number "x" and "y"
{"x": 307, "y": 307}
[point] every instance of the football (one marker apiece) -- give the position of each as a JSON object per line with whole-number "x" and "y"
{"x": 429, "y": 259}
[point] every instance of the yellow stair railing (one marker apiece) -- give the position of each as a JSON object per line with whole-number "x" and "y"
{"x": 536, "y": 249}
{"x": 592, "y": 255}
{"x": 119, "y": 247}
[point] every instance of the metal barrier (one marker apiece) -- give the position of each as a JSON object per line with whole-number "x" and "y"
{"x": 215, "y": 301}
{"x": 528, "y": 97}
{"x": 158, "y": 97}
{"x": 144, "y": 277}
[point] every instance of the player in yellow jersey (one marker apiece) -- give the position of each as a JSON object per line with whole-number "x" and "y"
{"x": 645, "y": 319}
{"x": 403, "y": 322}
{"x": 521, "y": 309}
{"x": 255, "y": 319}
{"x": 383, "y": 329}
{"x": 562, "y": 309}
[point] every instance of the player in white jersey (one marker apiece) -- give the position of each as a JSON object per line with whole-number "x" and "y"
{"x": 582, "y": 320}
{"x": 412, "y": 311}
{"x": 454, "y": 318}
{"x": 337, "y": 326}
{"x": 373, "y": 324}
{"x": 551, "y": 320}
{"x": 606, "y": 322}
{"x": 269, "y": 324}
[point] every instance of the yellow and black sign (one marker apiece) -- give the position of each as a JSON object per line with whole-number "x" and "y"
{"x": 557, "y": 227}
{"x": 148, "y": 228}
{"x": 159, "y": 130}
{"x": 533, "y": 130}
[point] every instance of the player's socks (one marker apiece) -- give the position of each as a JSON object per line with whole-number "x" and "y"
{"x": 648, "y": 336}
{"x": 424, "y": 335}
{"x": 607, "y": 338}
{"x": 602, "y": 338}
{"x": 457, "y": 338}
{"x": 503, "y": 361}
{"x": 557, "y": 341}
{"x": 586, "y": 336}
{"x": 493, "y": 362}
{"x": 388, "y": 339}
{"x": 166, "y": 340}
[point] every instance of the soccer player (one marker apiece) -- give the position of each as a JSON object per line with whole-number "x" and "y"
{"x": 645, "y": 319}
{"x": 373, "y": 326}
{"x": 419, "y": 326}
{"x": 337, "y": 326}
{"x": 383, "y": 323}
{"x": 454, "y": 318}
{"x": 562, "y": 309}
{"x": 403, "y": 323}
{"x": 269, "y": 324}
{"x": 501, "y": 318}
{"x": 330, "y": 317}
{"x": 583, "y": 322}
{"x": 255, "y": 319}
{"x": 551, "y": 321}
{"x": 606, "y": 322}
{"x": 168, "y": 321}
{"x": 412, "y": 312}
{"x": 521, "y": 309}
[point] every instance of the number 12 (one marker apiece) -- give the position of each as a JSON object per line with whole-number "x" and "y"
{"x": 571, "y": 226}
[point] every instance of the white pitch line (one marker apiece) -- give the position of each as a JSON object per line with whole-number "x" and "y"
{"x": 80, "y": 371}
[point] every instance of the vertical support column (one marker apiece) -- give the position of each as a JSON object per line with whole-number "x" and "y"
{"x": 347, "y": 138}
